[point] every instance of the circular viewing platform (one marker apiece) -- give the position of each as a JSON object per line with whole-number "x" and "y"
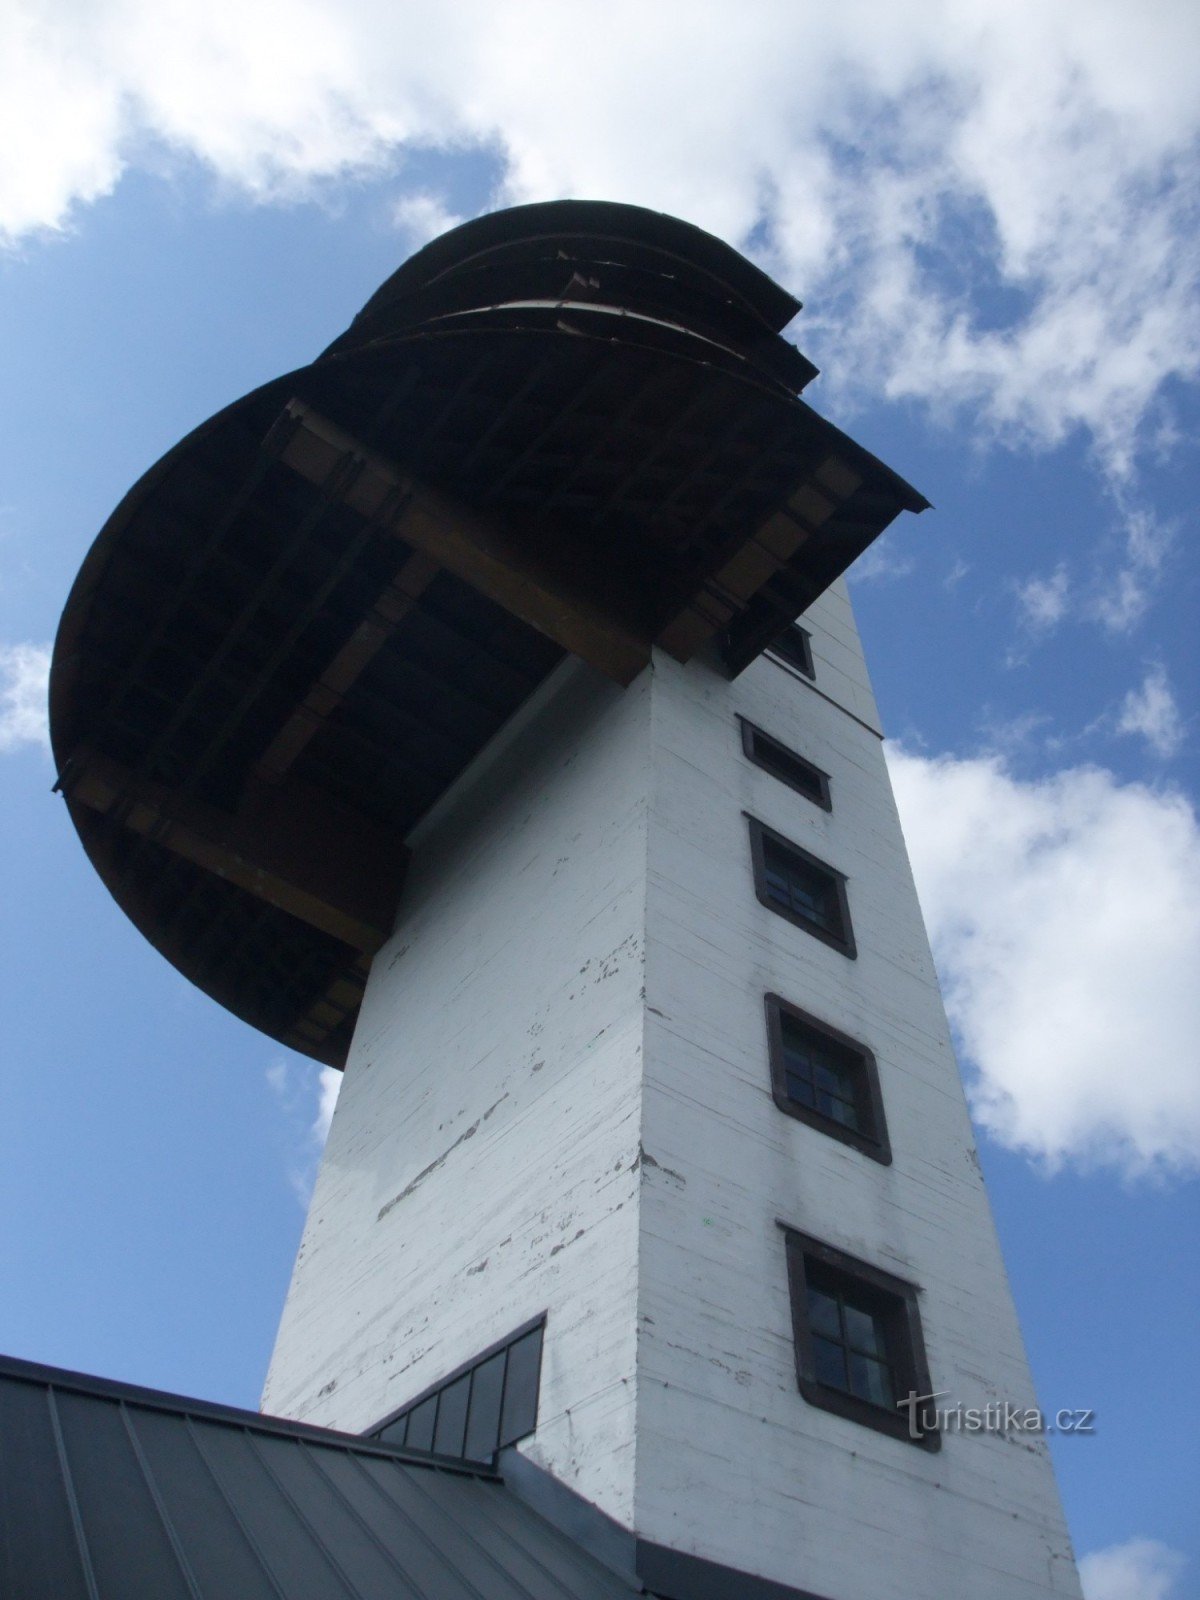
{"x": 563, "y": 428}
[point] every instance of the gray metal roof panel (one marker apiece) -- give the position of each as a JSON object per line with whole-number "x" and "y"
{"x": 109, "y": 1492}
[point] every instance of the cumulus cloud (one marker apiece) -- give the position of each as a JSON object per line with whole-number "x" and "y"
{"x": 1151, "y": 712}
{"x": 1064, "y": 915}
{"x": 1139, "y": 1569}
{"x": 307, "y": 1104}
{"x": 990, "y": 205}
{"x": 1043, "y": 601}
{"x": 24, "y": 674}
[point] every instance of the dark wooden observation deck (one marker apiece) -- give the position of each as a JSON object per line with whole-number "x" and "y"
{"x": 570, "y": 427}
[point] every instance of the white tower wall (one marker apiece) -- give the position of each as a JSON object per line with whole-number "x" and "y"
{"x": 559, "y": 1099}
{"x": 482, "y": 1162}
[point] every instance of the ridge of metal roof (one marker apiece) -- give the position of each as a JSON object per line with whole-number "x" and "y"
{"x": 113, "y": 1492}
{"x": 18, "y": 1370}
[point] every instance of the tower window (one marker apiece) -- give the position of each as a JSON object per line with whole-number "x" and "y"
{"x": 786, "y": 765}
{"x": 823, "y": 1077}
{"x": 806, "y": 891}
{"x": 795, "y": 647}
{"x": 859, "y": 1350}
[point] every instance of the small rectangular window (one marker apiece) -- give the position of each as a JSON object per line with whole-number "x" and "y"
{"x": 790, "y": 881}
{"x": 824, "y": 1078}
{"x": 786, "y": 765}
{"x": 859, "y": 1348}
{"x": 795, "y": 647}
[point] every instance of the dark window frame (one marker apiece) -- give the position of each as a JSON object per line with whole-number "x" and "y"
{"x": 755, "y": 738}
{"x": 793, "y": 648}
{"x": 894, "y": 1301}
{"x": 871, "y": 1137}
{"x": 760, "y": 838}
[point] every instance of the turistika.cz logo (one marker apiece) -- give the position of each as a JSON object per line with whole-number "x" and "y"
{"x": 998, "y": 1416}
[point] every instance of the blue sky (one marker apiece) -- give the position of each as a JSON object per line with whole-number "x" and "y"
{"x": 990, "y": 212}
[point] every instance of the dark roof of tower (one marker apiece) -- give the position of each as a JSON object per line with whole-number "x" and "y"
{"x": 563, "y": 428}
{"x": 113, "y": 1492}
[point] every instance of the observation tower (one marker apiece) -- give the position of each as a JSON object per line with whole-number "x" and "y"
{"x": 479, "y": 709}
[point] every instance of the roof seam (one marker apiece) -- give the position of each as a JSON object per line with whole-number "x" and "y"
{"x": 64, "y": 1467}
{"x": 406, "y": 1517}
{"x": 251, "y": 1542}
{"x": 301, "y": 1516}
{"x": 378, "y": 1543}
{"x": 189, "y": 1577}
{"x": 421, "y": 1490}
{"x": 484, "y": 1514}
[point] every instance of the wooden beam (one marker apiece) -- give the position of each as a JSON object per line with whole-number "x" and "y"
{"x": 585, "y": 607}
{"x": 291, "y": 846}
{"x": 742, "y": 569}
{"x": 311, "y": 1032}
{"x": 347, "y": 666}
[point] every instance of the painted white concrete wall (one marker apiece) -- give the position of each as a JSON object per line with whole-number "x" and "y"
{"x": 732, "y": 1462}
{"x": 482, "y": 1165}
{"x": 577, "y": 978}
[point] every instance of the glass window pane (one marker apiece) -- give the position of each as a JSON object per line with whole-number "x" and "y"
{"x": 821, "y": 914}
{"x": 806, "y": 897}
{"x": 790, "y": 767}
{"x": 832, "y": 1079}
{"x": 800, "y": 1089}
{"x": 823, "y": 1313}
{"x": 871, "y": 1380}
{"x": 846, "y": 1114}
{"x": 864, "y": 1331}
{"x": 830, "y": 1362}
{"x": 797, "y": 1061}
{"x": 802, "y": 888}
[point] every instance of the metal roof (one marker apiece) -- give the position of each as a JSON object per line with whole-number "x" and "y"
{"x": 111, "y": 1492}
{"x": 562, "y": 428}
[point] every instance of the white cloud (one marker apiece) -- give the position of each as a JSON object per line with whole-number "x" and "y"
{"x": 988, "y": 203}
{"x": 329, "y": 1086}
{"x": 881, "y": 562}
{"x": 1124, "y": 594}
{"x": 1043, "y": 601}
{"x": 423, "y": 217}
{"x": 307, "y": 1104}
{"x": 1065, "y": 920}
{"x": 24, "y": 674}
{"x": 1129, "y": 568}
{"x": 1139, "y": 1569}
{"x": 1151, "y": 711}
